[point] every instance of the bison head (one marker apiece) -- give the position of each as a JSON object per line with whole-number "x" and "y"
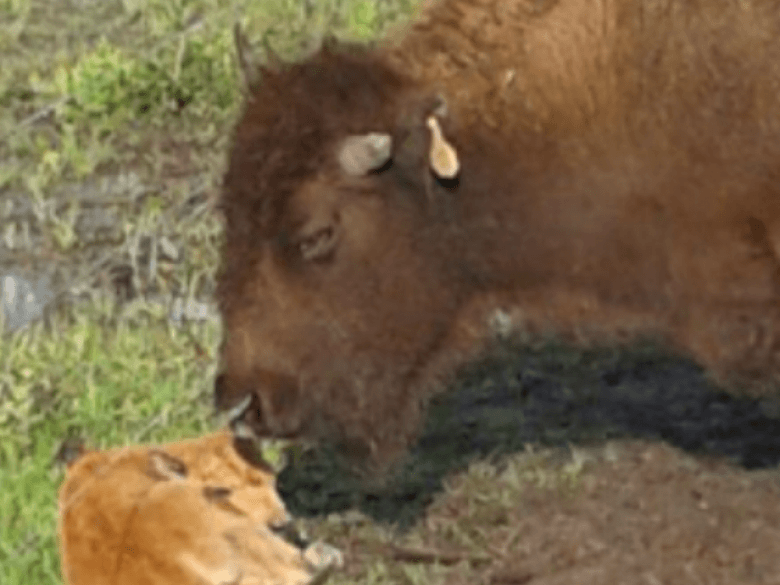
{"x": 338, "y": 285}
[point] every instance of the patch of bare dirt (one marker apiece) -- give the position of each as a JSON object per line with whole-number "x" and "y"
{"x": 650, "y": 515}
{"x": 91, "y": 239}
{"x": 638, "y": 513}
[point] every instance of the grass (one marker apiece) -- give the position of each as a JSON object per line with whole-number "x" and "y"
{"x": 81, "y": 88}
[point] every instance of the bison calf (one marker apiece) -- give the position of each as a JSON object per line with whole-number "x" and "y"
{"x": 600, "y": 169}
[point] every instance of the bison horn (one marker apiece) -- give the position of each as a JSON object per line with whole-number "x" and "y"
{"x": 248, "y": 72}
{"x": 364, "y": 153}
{"x": 443, "y": 156}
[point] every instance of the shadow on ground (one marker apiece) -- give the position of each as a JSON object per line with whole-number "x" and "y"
{"x": 548, "y": 396}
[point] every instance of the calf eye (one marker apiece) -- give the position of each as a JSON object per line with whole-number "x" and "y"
{"x": 318, "y": 246}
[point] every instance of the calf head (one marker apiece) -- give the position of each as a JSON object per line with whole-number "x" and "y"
{"x": 338, "y": 283}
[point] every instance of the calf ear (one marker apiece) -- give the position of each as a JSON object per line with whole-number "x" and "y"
{"x": 164, "y": 467}
{"x": 71, "y": 449}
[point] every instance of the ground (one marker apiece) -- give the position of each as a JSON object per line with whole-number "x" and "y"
{"x": 637, "y": 512}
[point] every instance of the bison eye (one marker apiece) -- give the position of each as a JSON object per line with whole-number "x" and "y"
{"x": 318, "y": 246}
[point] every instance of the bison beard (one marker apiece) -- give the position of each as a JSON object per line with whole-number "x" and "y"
{"x": 601, "y": 169}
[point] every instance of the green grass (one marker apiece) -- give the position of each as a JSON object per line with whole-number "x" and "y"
{"x": 99, "y": 378}
{"x": 79, "y": 88}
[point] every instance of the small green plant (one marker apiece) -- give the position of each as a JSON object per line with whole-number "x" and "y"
{"x": 13, "y": 7}
{"x": 107, "y": 81}
{"x": 362, "y": 20}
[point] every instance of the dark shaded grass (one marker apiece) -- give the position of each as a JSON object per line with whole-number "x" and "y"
{"x": 550, "y": 396}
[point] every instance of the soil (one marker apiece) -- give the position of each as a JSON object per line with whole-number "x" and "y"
{"x": 101, "y": 256}
{"x": 647, "y": 514}
{"x": 640, "y": 513}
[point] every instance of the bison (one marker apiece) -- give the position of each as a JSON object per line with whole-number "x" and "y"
{"x": 599, "y": 170}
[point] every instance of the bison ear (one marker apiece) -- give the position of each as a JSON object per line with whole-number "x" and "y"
{"x": 361, "y": 154}
{"x": 422, "y": 148}
{"x": 442, "y": 155}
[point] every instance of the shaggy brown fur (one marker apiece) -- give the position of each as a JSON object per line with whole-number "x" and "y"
{"x": 620, "y": 176}
{"x": 192, "y": 512}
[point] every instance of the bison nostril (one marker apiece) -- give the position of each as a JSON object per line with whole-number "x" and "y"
{"x": 267, "y": 405}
